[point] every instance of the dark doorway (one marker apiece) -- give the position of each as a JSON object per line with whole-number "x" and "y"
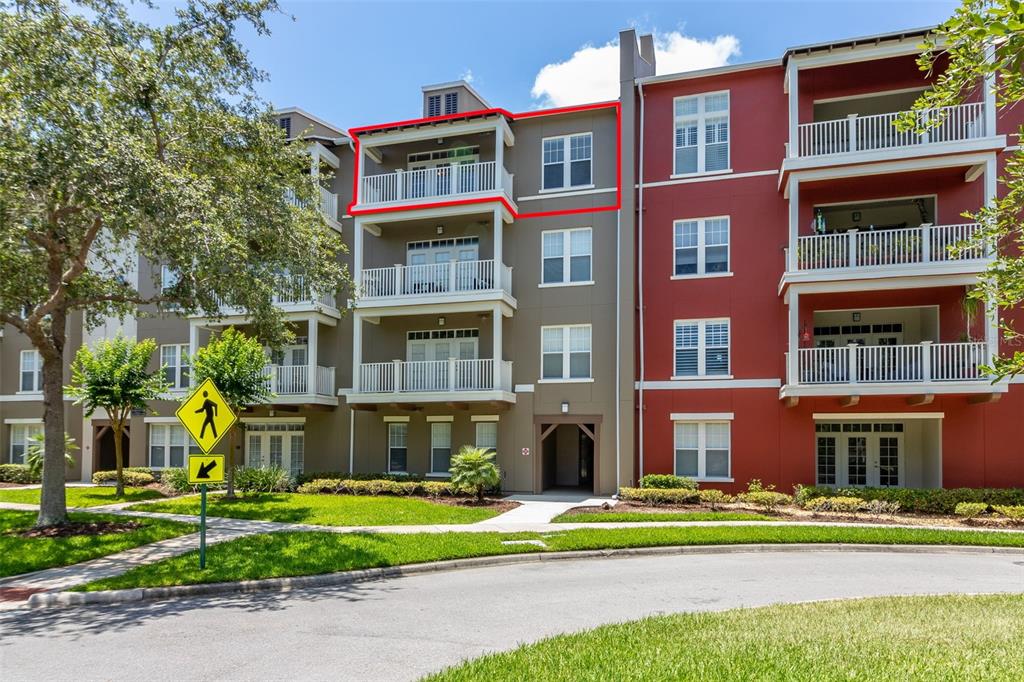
{"x": 105, "y": 455}
{"x": 567, "y": 456}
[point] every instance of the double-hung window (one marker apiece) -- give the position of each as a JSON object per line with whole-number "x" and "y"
{"x": 701, "y": 133}
{"x": 440, "y": 447}
{"x": 567, "y": 256}
{"x": 31, "y": 372}
{"x": 168, "y": 445}
{"x": 174, "y": 359}
{"x": 487, "y": 436}
{"x": 21, "y": 438}
{"x": 701, "y": 348}
{"x": 567, "y": 161}
{"x": 702, "y": 449}
{"x": 701, "y": 246}
{"x": 398, "y": 450}
{"x": 565, "y": 352}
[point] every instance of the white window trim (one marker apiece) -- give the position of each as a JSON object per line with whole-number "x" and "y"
{"x": 166, "y": 426}
{"x": 181, "y": 353}
{"x": 566, "y": 163}
{"x": 476, "y": 434}
{"x": 566, "y": 378}
{"x": 702, "y": 247}
{"x": 566, "y": 257}
{"x": 389, "y": 422}
{"x": 701, "y": 143}
{"x": 21, "y": 424}
{"x": 485, "y": 418}
{"x": 38, "y": 372}
{"x": 438, "y": 422}
{"x": 701, "y": 349}
{"x": 702, "y": 449}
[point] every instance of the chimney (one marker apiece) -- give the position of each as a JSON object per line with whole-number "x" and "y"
{"x": 647, "y": 51}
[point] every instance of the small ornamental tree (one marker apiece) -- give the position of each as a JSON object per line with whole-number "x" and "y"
{"x": 115, "y": 377}
{"x": 474, "y": 469}
{"x": 237, "y": 365}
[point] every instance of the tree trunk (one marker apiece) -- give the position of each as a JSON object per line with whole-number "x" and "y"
{"x": 118, "y": 427}
{"x": 53, "y": 503}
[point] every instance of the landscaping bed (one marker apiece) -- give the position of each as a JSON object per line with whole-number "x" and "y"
{"x": 897, "y": 638}
{"x": 630, "y": 512}
{"x": 89, "y": 536}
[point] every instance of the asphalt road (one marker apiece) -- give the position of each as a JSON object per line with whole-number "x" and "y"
{"x": 402, "y": 628}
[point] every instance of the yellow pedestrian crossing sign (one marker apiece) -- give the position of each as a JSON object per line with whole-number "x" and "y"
{"x": 205, "y": 469}
{"x": 206, "y": 415}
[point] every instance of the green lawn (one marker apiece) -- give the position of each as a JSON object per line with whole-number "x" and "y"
{"x": 307, "y": 553}
{"x": 21, "y": 555}
{"x": 890, "y": 638}
{"x": 81, "y": 497}
{"x": 327, "y": 510}
{"x": 602, "y": 517}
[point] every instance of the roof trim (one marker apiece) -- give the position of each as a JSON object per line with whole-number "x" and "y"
{"x": 854, "y": 42}
{"x": 713, "y": 71}
{"x": 461, "y": 83}
{"x": 311, "y": 117}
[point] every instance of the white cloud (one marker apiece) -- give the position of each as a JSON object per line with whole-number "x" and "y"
{"x": 466, "y": 75}
{"x": 591, "y": 74}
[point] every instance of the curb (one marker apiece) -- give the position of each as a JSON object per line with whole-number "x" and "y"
{"x": 72, "y": 599}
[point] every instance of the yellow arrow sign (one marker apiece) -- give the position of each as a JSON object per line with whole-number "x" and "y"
{"x": 206, "y": 415}
{"x": 205, "y": 469}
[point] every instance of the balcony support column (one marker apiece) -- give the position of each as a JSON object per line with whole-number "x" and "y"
{"x": 496, "y": 345}
{"x": 499, "y": 155}
{"x": 357, "y": 254}
{"x": 498, "y": 243}
{"x": 794, "y": 223}
{"x": 792, "y": 372}
{"x": 193, "y": 344}
{"x": 990, "y": 95}
{"x": 792, "y": 73}
{"x": 926, "y": 362}
{"x": 357, "y": 347}
{"x": 991, "y": 331}
{"x": 311, "y": 359}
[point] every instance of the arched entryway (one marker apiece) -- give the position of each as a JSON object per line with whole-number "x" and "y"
{"x": 567, "y": 448}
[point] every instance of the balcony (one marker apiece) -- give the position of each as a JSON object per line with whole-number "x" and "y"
{"x": 856, "y": 133}
{"x": 434, "y": 381}
{"x": 911, "y": 250}
{"x": 292, "y": 296}
{"x": 458, "y": 281}
{"x": 483, "y": 179}
{"x": 328, "y": 203}
{"x": 291, "y": 384}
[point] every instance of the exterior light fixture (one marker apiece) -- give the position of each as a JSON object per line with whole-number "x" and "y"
{"x": 565, "y": 407}
{"x": 856, "y": 317}
{"x": 440, "y": 229}
{"x": 440, "y": 321}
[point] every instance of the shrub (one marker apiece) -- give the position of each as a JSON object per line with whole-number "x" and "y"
{"x": 802, "y": 494}
{"x": 846, "y": 505}
{"x": 768, "y": 500}
{"x": 135, "y": 476}
{"x": 35, "y": 452}
{"x": 713, "y": 497}
{"x": 1014, "y": 512}
{"x": 320, "y": 486}
{"x": 655, "y": 496}
{"x": 667, "y": 481}
{"x": 882, "y": 507}
{"x": 364, "y": 476}
{"x": 924, "y": 500}
{"x": 473, "y": 469}
{"x": 438, "y": 488}
{"x": 18, "y": 473}
{"x": 970, "y": 510}
{"x": 251, "y": 480}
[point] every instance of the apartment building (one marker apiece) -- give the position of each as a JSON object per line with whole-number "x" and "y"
{"x": 801, "y": 316}
{"x": 491, "y": 277}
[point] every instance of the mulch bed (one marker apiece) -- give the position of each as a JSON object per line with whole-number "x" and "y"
{"x": 498, "y": 505}
{"x": 69, "y": 530}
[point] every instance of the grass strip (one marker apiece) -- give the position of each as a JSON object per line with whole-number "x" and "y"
{"x": 327, "y": 510}
{"x": 24, "y": 554}
{"x": 631, "y": 517}
{"x": 904, "y": 638}
{"x": 81, "y": 497}
{"x": 311, "y": 553}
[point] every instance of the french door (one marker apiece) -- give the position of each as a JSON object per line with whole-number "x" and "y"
{"x": 870, "y": 455}
{"x": 276, "y": 445}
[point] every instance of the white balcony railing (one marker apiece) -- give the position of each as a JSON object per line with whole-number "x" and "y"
{"x": 435, "y": 376}
{"x": 437, "y": 278}
{"x": 328, "y": 202}
{"x": 909, "y": 363}
{"x": 867, "y": 133}
{"x": 293, "y": 292}
{"x": 294, "y": 380}
{"x": 904, "y": 246}
{"x": 434, "y": 183}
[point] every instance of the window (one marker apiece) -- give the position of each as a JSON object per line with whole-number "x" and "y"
{"x": 440, "y": 447}
{"x": 701, "y": 348}
{"x": 451, "y": 102}
{"x": 702, "y": 450}
{"x": 398, "y": 451}
{"x": 567, "y": 256}
{"x": 21, "y": 439}
{"x": 565, "y": 352}
{"x": 174, "y": 359}
{"x": 826, "y": 464}
{"x": 567, "y": 161}
{"x": 31, "y": 372}
{"x": 167, "y": 444}
{"x": 286, "y": 125}
{"x": 434, "y": 105}
{"x": 701, "y": 247}
{"x": 487, "y": 436}
{"x": 702, "y": 133}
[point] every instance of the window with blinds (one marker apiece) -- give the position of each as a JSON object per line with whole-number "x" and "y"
{"x": 701, "y": 246}
{"x": 701, "y": 348}
{"x": 701, "y": 138}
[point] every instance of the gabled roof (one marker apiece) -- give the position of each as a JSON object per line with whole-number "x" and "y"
{"x": 457, "y": 84}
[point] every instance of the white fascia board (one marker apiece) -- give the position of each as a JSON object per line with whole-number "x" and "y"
{"x": 311, "y": 117}
{"x": 705, "y": 73}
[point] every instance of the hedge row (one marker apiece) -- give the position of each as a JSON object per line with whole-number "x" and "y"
{"x": 333, "y": 486}
{"x": 365, "y": 476}
{"x": 17, "y": 473}
{"x": 919, "y": 500}
{"x": 133, "y": 476}
{"x": 660, "y": 495}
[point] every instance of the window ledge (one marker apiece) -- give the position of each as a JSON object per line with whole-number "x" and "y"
{"x": 437, "y": 475}
{"x": 553, "y": 285}
{"x": 571, "y": 188}
{"x": 709, "y": 275}
{"x": 715, "y": 480}
{"x": 38, "y": 393}
{"x": 587, "y": 380}
{"x": 706, "y": 377}
{"x": 676, "y": 176}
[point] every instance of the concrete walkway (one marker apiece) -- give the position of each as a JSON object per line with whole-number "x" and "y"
{"x": 544, "y": 507}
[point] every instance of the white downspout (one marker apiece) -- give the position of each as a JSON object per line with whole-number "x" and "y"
{"x": 618, "y": 350}
{"x": 351, "y": 440}
{"x": 640, "y": 285}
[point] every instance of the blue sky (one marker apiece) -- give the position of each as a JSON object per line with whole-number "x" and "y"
{"x": 356, "y": 63}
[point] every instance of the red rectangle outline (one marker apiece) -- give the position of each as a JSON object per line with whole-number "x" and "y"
{"x": 354, "y": 134}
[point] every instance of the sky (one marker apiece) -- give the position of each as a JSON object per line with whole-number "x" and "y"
{"x": 357, "y": 63}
